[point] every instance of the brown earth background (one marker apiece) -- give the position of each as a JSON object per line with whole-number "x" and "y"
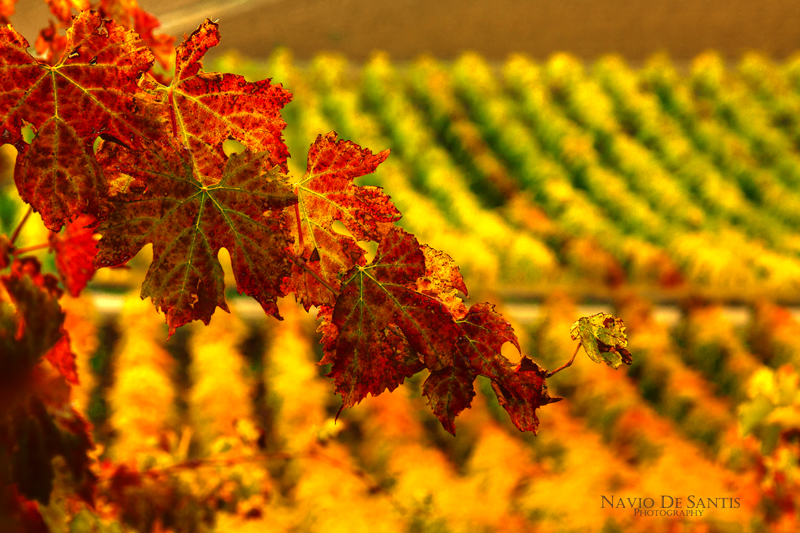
{"x": 635, "y": 29}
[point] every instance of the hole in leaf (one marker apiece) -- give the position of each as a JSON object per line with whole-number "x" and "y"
{"x": 224, "y": 258}
{"x": 8, "y": 158}
{"x": 232, "y": 146}
{"x": 96, "y": 145}
{"x": 341, "y": 229}
{"x": 28, "y": 133}
{"x": 371, "y": 248}
{"x": 510, "y": 352}
{"x": 141, "y": 261}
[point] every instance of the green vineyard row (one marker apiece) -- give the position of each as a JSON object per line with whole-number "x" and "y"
{"x": 558, "y": 174}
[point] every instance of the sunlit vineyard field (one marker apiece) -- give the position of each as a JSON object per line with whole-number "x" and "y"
{"x": 555, "y": 183}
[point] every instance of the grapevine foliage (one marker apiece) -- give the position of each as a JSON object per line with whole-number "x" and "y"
{"x": 127, "y": 151}
{"x": 603, "y": 337}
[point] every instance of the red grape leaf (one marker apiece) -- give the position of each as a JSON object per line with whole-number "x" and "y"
{"x": 39, "y": 422}
{"x": 50, "y": 44}
{"x": 92, "y": 90}
{"x": 357, "y": 372}
{"x": 204, "y": 109}
{"x": 129, "y": 14}
{"x": 521, "y": 392}
{"x": 442, "y": 274}
{"x": 398, "y": 315}
{"x": 377, "y": 307}
{"x": 450, "y": 391}
{"x": 483, "y": 333}
{"x": 31, "y": 330}
{"x": 63, "y": 360}
{"x": 189, "y": 220}
{"x": 45, "y": 425}
{"x": 75, "y": 251}
{"x": 327, "y": 194}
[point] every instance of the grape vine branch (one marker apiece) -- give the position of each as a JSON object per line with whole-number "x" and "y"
{"x": 127, "y": 144}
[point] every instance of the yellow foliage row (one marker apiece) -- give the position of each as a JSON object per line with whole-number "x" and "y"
{"x": 386, "y": 465}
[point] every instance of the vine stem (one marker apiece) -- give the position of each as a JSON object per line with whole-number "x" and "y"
{"x": 33, "y": 248}
{"x": 565, "y": 365}
{"x": 21, "y": 224}
{"x": 20, "y": 251}
{"x": 299, "y": 261}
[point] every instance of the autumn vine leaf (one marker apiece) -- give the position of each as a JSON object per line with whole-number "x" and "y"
{"x": 205, "y": 109}
{"x": 450, "y": 390}
{"x": 75, "y": 249}
{"x": 188, "y": 221}
{"x": 129, "y": 14}
{"x": 91, "y": 91}
{"x": 384, "y": 330}
{"x": 520, "y": 390}
{"x": 34, "y": 328}
{"x": 326, "y": 194}
{"x": 35, "y": 396}
{"x": 443, "y": 280}
{"x": 485, "y": 332}
{"x": 50, "y": 43}
{"x": 604, "y": 339}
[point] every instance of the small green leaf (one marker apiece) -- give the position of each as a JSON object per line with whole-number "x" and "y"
{"x": 603, "y": 337}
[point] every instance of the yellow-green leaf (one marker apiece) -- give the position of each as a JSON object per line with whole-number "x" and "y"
{"x": 603, "y": 337}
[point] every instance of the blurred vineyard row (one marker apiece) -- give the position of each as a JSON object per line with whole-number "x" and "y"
{"x": 230, "y": 428}
{"x": 552, "y": 180}
{"x": 556, "y": 174}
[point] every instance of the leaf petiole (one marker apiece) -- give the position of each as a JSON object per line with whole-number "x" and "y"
{"x": 20, "y": 251}
{"x": 21, "y": 224}
{"x": 33, "y": 248}
{"x": 565, "y": 365}
{"x": 297, "y": 216}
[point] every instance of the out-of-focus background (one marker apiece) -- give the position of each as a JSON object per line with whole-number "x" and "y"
{"x": 495, "y": 28}
{"x": 640, "y": 158}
